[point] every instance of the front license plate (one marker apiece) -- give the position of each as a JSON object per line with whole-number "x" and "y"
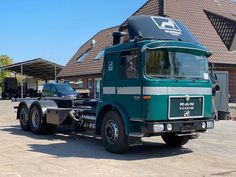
{"x": 188, "y": 128}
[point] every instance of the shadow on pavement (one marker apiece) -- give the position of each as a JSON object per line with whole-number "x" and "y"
{"x": 77, "y": 146}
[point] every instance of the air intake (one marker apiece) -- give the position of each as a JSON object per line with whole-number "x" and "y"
{"x": 117, "y": 37}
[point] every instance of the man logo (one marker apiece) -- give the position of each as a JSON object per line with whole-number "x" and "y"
{"x": 166, "y": 24}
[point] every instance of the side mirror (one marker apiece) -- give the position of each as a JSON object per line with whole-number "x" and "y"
{"x": 215, "y": 88}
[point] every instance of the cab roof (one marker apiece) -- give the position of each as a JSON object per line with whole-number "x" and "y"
{"x": 159, "y": 28}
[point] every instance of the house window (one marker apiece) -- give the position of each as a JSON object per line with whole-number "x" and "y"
{"x": 79, "y": 84}
{"x": 89, "y": 83}
{"x": 129, "y": 64}
{"x": 100, "y": 55}
{"x": 97, "y": 87}
{"x": 83, "y": 56}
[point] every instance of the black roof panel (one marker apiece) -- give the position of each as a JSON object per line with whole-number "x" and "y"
{"x": 160, "y": 28}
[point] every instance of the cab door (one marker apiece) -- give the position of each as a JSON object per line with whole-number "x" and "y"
{"x": 129, "y": 88}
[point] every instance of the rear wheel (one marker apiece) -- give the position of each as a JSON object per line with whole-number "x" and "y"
{"x": 175, "y": 141}
{"x": 3, "y": 95}
{"x": 23, "y": 116}
{"x": 38, "y": 122}
{"x": 113, "y": 133}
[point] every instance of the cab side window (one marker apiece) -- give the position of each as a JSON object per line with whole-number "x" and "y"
{"x": 130, "y": 64}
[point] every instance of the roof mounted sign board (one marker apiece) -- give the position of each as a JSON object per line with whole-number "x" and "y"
{"x": 160, "y": 28}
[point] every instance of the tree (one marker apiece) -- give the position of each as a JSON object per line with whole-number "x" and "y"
{"x": 4, "y": 61}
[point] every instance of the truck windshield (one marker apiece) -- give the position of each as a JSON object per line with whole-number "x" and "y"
{"x": 64, "y": 88}
{"x": 163, "y": 63}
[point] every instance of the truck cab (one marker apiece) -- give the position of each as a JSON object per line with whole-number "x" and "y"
{"x": 158, "y": 81}
{"x": 155, "y": 82}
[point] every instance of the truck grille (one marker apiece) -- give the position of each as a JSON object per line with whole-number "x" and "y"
{"x": 185, "y": 107}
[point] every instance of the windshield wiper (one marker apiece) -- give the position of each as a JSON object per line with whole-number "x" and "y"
{"x": 186, "y": 77}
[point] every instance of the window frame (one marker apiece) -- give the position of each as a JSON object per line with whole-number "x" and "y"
{"x": 89, "y": 83}
{"x": 171, "y": 76}
{"x": 139, "y": 65}
{"x": 83, "y": 56}
{"x": 100, "y": 55}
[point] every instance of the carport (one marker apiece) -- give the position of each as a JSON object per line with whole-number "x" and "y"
{"x": 36, "y": 68}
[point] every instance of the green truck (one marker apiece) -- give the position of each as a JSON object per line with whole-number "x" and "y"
{"x": 155, "y": 82}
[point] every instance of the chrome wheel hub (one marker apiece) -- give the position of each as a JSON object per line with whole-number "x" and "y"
{"x": 24, "y": 117}
{"x": 111, "y": 132}
{"x": 35, "y": 119}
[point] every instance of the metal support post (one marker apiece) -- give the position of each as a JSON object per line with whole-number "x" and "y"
{"x": 22, "y": 89}
{"x": 55, "y": 69}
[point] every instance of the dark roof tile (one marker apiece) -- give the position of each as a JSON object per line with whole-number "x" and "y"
{"x": 191, "y": 13}
{"x": 89, "y": 65}
{"x": 201, "y": 26}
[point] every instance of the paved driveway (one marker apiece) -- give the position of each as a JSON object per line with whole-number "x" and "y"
{"x": 65, "y": 154}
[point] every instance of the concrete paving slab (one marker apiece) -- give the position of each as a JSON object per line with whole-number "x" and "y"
{"x": 23, "y": 154}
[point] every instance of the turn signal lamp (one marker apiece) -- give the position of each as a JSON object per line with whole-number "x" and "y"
{"x": 146, "y": 97}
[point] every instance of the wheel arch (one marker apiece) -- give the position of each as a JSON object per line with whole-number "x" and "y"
{"x": 107, "y": 107}
{"x": 43, "y": 105}
{"x": 42, "y": 127}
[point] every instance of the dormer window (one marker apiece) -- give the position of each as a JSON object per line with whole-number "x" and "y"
{"x": 83, "y": 56}
{"x": 226, "y": 29}
{"x": 100, "y": 55}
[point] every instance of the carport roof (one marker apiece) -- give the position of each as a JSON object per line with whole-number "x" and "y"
{"x": 37, "y": 68}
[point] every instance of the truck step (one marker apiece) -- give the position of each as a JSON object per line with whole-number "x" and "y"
{"x": 136, "y": 134}
{"x": 136, "y": 120}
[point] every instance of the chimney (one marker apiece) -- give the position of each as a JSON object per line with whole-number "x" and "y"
{"x": 93, "y": 42}
{"x": 162, "y": 8}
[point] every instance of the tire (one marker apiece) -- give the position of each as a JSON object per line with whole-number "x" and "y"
{"x": 23, "y": 116}
{"x": 38, "y": 123}
{"x": 175, "y": 141}
{"x": 3, "y": 96}
{"x": 113, "y": 133}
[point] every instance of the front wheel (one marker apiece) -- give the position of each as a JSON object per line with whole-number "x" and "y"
{"x": 175, "y": 141}
{"x": 113, "y": 133}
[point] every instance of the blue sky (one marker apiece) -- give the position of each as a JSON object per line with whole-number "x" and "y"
{"x": 55, "y": 29}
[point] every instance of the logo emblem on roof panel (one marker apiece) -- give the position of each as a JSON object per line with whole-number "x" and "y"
{"x": 167, "y": 24}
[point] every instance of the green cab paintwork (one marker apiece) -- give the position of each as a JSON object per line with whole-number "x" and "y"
{"x": 132, "y": 106}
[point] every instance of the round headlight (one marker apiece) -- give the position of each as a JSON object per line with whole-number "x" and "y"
{"x": 203, "y": 125}
{"x": 169, "y": 127}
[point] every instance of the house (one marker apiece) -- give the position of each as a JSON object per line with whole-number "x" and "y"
{"x": 213, "y": 22}
{"x": 85, "y": 66}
